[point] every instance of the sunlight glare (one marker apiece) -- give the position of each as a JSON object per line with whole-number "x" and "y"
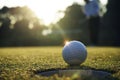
{"x": 66, "y": 42}
{"x": 47, "y": 10}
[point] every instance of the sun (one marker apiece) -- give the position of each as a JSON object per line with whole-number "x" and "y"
{"x": 47, "y": 10}
{"x": 46, "y": 17}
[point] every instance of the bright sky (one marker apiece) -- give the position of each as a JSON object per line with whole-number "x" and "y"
{"x": 44, "y": 9}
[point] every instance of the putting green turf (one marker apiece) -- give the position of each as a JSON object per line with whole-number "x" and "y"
{"x": 20, "y": 63}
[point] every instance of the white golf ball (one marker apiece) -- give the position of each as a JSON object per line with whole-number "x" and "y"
{"x": 74, "y": 53}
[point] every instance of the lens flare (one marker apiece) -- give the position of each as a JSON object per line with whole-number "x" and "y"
{"x": 66, "y": 42}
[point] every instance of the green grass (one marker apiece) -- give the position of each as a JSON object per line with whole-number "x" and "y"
{"x": 20, "y": 63}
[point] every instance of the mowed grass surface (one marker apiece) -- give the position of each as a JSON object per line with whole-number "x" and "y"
{"x": 20, "y": 63}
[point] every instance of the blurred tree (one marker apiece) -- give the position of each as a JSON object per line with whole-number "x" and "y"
{"x": 73, "y": 17}
{"x": 110, "y": 28}
{"x": 74, "y": 23}
{"x": 5, "y": 31}
{"x": 4, "y": 9}
{"x": 19, "y": 26}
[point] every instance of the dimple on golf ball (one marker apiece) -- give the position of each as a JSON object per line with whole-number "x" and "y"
{"x": 74, "y": 53}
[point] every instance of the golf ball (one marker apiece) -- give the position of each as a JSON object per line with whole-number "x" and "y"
{"x": 74, "y": 53}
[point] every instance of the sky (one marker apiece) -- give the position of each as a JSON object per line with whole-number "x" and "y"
{"x": 46, "y": 10}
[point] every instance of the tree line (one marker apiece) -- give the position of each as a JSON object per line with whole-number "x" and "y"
{"x": 19, "y": 26}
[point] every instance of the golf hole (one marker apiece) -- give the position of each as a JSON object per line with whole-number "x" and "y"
{"x": 77, "y": 74}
